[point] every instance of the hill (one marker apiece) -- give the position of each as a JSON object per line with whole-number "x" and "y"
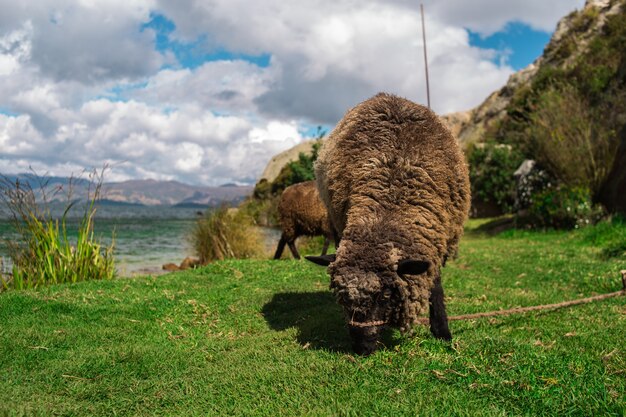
{"x": 273, "y": 167}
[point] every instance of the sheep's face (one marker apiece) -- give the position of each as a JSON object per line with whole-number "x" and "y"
{"x": 368, "y": 285}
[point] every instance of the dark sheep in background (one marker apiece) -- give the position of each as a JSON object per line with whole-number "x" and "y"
{"x": 302, "y": 213}
{"x": 396, "y": 186}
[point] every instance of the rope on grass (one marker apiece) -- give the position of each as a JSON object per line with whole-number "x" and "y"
{"x": 518, "y": 310}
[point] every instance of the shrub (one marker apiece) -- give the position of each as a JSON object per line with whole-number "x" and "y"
{"x": 262, "y": 190}
{"x": 570, "y": 139}
{"x": 491, "y": 173}
{"x": 584, "y": 19}
{"x": 43, "y": 253}
{"x": 568, "y": 116}
{"x": 284, "y": 179}
{"x": 226, "y": 233}
{"x": 562, "y": 207}
{"x": 263, "y": 212}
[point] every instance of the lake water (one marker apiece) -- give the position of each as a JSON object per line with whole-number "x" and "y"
{"x": 145, "y": 237}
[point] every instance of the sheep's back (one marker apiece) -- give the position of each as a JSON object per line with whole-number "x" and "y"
{"x": 389, "y": 155}
{"x": 302, "y": 212}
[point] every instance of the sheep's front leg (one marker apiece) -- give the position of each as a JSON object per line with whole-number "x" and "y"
{"x": 438, "y": 317}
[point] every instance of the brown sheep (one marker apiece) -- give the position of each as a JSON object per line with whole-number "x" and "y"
{"x": 302, "y": 213}
{"x": 396, "y": 186}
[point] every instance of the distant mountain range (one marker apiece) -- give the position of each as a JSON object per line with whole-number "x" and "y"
{"x": 141, "y": 192}
{"x": 173, "y": 193}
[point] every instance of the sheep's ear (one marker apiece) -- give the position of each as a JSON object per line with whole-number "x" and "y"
{"x": 323, "y": 260}
{"x": 412, "y": 267}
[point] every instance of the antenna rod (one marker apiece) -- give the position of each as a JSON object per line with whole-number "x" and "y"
{"x": 425, "y": 56}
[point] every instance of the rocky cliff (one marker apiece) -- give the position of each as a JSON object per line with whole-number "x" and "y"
{"x": 273, "y": 167}
{"x": 569, "y": 41}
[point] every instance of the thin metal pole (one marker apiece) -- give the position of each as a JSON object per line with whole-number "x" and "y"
{"x": 425, "y": 56}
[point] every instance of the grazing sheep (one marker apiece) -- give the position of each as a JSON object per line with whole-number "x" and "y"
{"x": 302, "y": 213}
{"x": 397, "y": 191}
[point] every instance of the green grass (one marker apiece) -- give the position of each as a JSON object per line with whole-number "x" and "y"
{"x": 267, "y": 338}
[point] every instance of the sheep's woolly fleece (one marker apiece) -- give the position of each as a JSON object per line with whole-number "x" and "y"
{"x": 396, "y": 186}
{"x": 302, "y": 213}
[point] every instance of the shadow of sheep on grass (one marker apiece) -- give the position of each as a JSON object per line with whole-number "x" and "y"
{"x": 316, "y": 316}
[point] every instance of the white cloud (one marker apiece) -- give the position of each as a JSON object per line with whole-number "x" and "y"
{"x": 275, "y": 130}
{"x": 15, "y": 47}
{"x": 136, "y": 139}
{"x": 223, "y": 86}
{"x": 189, "y": 157}
{"x": 328, "y": 56}
{"x": 83, "y": 84}
{"x": 489, "y": 16}
{"x": 18, "y": 137}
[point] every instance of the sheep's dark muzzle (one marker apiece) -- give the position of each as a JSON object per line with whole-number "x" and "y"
{"x": 365, "y": 338}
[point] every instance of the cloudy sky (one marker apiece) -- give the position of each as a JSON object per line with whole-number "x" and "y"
{"x": 206, "y": 91}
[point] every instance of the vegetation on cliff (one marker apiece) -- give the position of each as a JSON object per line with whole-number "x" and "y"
{"x": 570, "y": 117}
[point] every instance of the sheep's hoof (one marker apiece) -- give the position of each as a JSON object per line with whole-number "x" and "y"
{"x": 443, "y": 334}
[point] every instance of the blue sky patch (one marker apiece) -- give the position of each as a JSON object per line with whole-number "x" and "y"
{"x": 518, "y": 44}
{"x": 194, "y": 53}
{"x": 118, "y": 92}
{"x": 313, "y": 131}
{"x": 8, "y": 112}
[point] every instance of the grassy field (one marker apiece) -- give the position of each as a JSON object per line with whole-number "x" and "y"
{"x": 267, "y": 338}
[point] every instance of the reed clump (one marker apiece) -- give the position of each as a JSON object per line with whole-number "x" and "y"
{"x": 41, "y": 250}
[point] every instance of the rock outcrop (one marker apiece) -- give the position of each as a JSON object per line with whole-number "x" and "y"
{"x": 273, "y": 167}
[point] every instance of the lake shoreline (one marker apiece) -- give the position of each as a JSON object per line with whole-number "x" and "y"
{"x": 144, "y": 238}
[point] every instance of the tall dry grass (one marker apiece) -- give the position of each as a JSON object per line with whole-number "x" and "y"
{"x": 226, "y": 233}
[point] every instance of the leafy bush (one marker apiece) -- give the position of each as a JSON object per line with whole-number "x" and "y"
{"x": 535, "y": 181}
{"x": 43, "y": 253}
{"x": 491, "y": 173}
{"x": 226, "y": 233}
{"x": 584, "y": 19}
{"x": 571, "y": 139}
{"x": 262, "y": 190}
{"x": 569, "y": 113}
{"x": 562, "y": 207}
